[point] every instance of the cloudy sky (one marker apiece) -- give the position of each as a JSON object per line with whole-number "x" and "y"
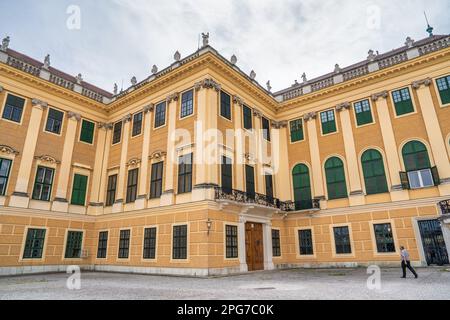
{"x": 279, "y": 39}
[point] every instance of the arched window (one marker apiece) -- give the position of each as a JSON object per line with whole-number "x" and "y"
{"x": 419, "y": 173}
{"x": 302, "y": 187}
{"x": 373, "y": 170}
{"x": 335, "y": 174}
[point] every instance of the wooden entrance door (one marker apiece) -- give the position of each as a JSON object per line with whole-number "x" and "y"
{"x": 254, "y": 246}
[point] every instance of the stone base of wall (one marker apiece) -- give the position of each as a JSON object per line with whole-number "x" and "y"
{"x": 345, "y": 265}
{"x": 27, "y": 270}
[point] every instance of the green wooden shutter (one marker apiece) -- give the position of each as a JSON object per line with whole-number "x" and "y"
{"x": 405, "y": 181}
{"x": 87, "y": 132}
{"x": 443, "y": 85}
{"x": 79, "y": 190}
{"x": 436, "y": 178}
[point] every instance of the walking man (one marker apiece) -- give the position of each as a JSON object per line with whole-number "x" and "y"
{"x": 406, "y": 263}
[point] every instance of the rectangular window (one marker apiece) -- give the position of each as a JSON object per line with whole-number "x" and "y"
{"x": 150, "y": 243}
{"x": 54, "y": 121}
{"x": 342, "y": 240}
{"x": 384, "y": 238}
{"x": 250, "y": 181}
{"x": 156, "y": 180}
{"x": 269, "y": 186}
{"x": 227, "y": 175}
{"x": 132, "y": 185}
{"x": 34, "y": 244}
{"x": 102, "y": 244}
{"x": 5, "y": 169}
{"x": 185, "y": 174}
{"x": 306, "y": 242}
{"x": 420, "y": 179}
{"x": 402, "y": 101}
{"x": 248, "y": 120}
{"x": 179, "y": 242}
{"x": 124, "y": 244}
{"x": 296, "y": 128}
{"x": 74, "y": 244}
{"x": 443, "y": 85}
{"x": 87, "y": 131}
{"x": 225, "y": 105}
{"x": 111, "y": 190}
{"x": 266, "y": 129}
{"x": 363, "y": 112}
{"x": 328, "y": 121}
{"x": 187, "y": 103}
{"x": 13, "y": 108}
{"x": 160, "y": 114}
{"x": 79, "y": 190}
{"x": 276, "y": 244}
{"x": 117, "y": 132}
{"x": 43, "y": 184}
{"x": 231, "y": 242}
{"x": 137, "y": 124}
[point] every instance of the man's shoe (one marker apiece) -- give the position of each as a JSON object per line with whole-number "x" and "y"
{"x": 403, "y": 278}
{"x": 416, "y": 276}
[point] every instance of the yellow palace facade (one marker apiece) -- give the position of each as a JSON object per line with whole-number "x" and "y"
{"x": 199, "y": 170}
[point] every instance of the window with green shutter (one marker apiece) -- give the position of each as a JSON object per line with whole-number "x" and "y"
{"x": 248, "y": 121}
{"x": 5, "y": 168}
{"x": 374, "y": 174}
{"x": 79, "y": 190}
{"x": 87, "y": 132}
{"x": 335, "y": 175}
{"x": 225, "y": 105}
{"x": 296, "y": 128}
{"x": 443, "y": 85}
{"x": 402, "y": 101}
{"x": 328, "y": 121}
{"x": 250, "y": 181}
{"x": 34, "y": 244}
{"x": 363, "y": 112}
{"x": 419, "y": 173}
{"x": 302, "y": 187}
{"x": 74, "y": 244}
{"x": 13, "y": 108}
{"x": 227, "y": 175}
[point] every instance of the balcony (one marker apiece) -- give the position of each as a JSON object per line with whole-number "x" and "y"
{"x": 263, "y": 200}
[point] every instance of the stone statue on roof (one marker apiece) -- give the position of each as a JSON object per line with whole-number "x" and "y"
{"x": 205, "y": 37}
{"x": 304, "y": 77}
{"x": 47, "y": 61}
{"x": 116, "y": 88}
{"x": 5, "y": 43}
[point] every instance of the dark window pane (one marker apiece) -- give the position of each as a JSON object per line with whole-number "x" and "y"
{"x": 54, "y": 121}
{"x": 231, "y": 242}
{"x": 374, "y": 174}
{"x": 34, "y": 244}
{"x": 363, "y": 112}
{"x": 276, "y": 243}
{"x": 5, "y": 167}
{"x": 160, "y": 114}
{"x": 342, "y": 240}
{"x": 102, "y": 244}
{"x": 187, "y": 103}
{"x": 87, "y": 132}
{"x": 13, "y": 108}
{"x": 269, "y": 186}
{"x": 124, "y": 244}
{"x": 225, "y": 105}
{"x": 384, "y": 238}
{"x": 117, "y": 134}
{"x": 43, "y": 184}
{"x": 306, "y": 242}
{"x": 179, "y": 242}
{"x": 111, "y": 190}
{"x": 185, "y": 174}
{"x": 156, "y": 180}
{"x": 328, "y": 121}
{"x": 137, "y": 124}
{"x": 266, "y": 129}
{"x": 296, "y": 128}
{"x": 248, "y": 120}
{"x": 132, "y": 185}
{"x": 250, "y": 181}
{"x": 227, "y": 175}
{"x": 149, "y": 243}
{"x": 335, "y": 175}
{"x": 302, "y": 187}
{"x": 74, "y": 244}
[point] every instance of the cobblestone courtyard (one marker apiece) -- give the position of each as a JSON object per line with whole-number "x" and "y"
{"x": 434, "y": 283}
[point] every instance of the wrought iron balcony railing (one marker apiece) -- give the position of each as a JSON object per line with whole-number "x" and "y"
{"x": 263, "y": 200}
{"x": 445, "y": 206}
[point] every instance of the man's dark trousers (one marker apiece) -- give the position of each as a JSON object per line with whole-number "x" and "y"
{"x": 405, "y": 265}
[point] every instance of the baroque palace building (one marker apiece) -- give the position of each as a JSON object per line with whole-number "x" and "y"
{"x": 337, "y": 171}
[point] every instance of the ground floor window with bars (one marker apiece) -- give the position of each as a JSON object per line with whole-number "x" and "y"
{"x": 306, "y": 242}
{"x": 34, "y": 244}
{"x": 179, "y": 250}
{"x": 342, "y": 240}
{"x": 150, "y": 243}
{"x": 102, "y": 244}
{"x": 384, "y": 238}
{"x": 124, "y": 244}
{"x": 231, "y": 242}
{"x": 276, "y": 245}
{"x": 74, "y": 244}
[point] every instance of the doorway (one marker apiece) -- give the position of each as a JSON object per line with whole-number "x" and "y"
{"x": 254, "y": 246}
{"x": 433, "y": 242}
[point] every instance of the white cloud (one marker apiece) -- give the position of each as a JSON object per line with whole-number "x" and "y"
{"x": 278, "y": 39}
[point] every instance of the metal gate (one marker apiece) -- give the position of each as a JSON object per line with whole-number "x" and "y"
{"x": 433, "y": 242}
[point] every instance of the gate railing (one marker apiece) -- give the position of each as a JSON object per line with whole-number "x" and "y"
{"x": 445, "y": 206}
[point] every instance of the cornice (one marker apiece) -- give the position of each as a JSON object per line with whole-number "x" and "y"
{"x": 44, "y": 85}
{"x": 363, "y": 81}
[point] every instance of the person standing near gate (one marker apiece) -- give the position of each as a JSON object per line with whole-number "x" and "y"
{"x": 406, "y": 263}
